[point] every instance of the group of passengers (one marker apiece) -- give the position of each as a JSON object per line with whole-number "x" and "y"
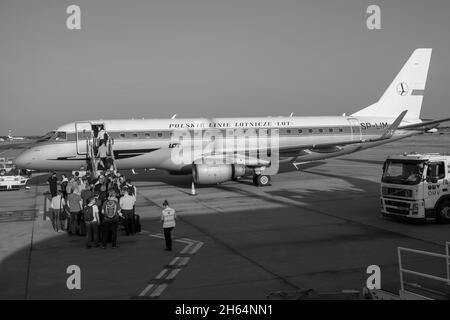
{"x": 94, "y": 207}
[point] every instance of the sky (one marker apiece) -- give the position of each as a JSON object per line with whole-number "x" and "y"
{"x": 209, "y": 58}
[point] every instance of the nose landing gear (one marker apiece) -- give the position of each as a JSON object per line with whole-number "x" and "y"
{"x": 261, "y": 180}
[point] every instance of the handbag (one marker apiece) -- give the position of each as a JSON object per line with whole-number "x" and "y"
{"x": 64, "y": 210}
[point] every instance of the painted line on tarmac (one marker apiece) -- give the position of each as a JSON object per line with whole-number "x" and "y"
{"x": 156, "y": 286}
{"x": 187, "y": 248}
{"x": 159, "y": 289}
{"x": 174, "y": 261}
{"x": 184, "y": 261}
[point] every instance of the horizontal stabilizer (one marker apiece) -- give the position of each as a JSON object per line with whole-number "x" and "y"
{"x": 426, "y": 125}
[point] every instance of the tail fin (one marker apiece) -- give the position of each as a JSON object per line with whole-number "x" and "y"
{"x": 406, "y": 91}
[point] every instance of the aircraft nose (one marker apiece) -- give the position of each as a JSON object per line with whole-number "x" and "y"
{"x": 23, "y": 160}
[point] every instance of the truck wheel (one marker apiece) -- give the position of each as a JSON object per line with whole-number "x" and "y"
{"x": 263, "y": 180}
{"x": 443, "y": 212}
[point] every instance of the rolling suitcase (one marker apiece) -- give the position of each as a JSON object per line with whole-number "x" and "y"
{"x": 137, "y": 223}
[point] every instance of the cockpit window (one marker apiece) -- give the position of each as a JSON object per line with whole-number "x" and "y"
{"x": 54, "y": 136}
{"x": 46, "y": 136}
{"x": 60, "y": 135}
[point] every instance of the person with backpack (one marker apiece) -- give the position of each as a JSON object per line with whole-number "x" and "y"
{"x": 91, "y": 220}
{"x": 131, "y": 188}
{"x": 111, "y": 212}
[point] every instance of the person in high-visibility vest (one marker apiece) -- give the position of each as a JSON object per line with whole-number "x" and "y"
{"x": 168, "y": 217}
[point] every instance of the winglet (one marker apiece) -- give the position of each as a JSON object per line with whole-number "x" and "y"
{"x": 393, "y": 127}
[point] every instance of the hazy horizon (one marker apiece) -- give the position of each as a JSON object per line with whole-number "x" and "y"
{"x": 152, "y": 59}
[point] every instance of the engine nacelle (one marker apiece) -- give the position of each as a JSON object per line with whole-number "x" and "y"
{"x": 212, "y": 174}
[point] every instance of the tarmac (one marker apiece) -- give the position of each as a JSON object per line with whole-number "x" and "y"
{"x": 316, "y": 228}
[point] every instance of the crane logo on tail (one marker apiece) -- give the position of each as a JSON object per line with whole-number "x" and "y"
{"x": 402, "y": 88}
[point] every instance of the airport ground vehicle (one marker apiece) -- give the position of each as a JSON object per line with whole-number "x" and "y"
{"x": 12, "y": 182}
{"x": 416, "y": 187}
{"x": 6, "y": 165}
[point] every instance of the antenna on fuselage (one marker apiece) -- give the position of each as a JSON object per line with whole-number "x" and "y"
{"x": 174, "y": 116}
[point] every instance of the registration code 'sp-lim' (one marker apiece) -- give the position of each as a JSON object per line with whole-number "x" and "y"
{"x": 225, "y": 309}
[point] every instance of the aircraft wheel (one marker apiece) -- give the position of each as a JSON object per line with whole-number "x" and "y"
{"x": 263, "y": 180}
{"x": 443, "y": 212}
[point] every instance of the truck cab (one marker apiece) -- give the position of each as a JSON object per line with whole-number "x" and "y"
{"x": 416, "y": 187}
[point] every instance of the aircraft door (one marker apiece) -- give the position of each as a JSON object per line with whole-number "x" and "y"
{"x": 83, "y": 135}
{"x": 355, "y": 129}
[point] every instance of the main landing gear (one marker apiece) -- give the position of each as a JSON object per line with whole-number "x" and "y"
{"x": 261, "y": 180}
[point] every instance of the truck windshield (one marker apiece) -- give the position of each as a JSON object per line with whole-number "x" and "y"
{"x": 403, "y": 172}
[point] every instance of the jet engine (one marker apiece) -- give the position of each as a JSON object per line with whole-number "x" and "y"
{"x": 212, "y": 174}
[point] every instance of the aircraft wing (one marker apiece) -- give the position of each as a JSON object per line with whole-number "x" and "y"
{"x": 241, "y": 158}
{"x": 426, "y": 125}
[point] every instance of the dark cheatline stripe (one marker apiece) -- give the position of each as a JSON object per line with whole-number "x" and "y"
{"x": 69, "y": 158}
{"x": 417, "y": 92}
{"x": 124, "y": 154}
{"x": 118, "y": 154}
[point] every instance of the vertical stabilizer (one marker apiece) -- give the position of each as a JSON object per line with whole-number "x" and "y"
{"x": 406, "y": 91}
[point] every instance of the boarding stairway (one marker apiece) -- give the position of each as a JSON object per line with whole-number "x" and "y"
{"x": 93, "y": 160}
{"x": 426, "y": 286}
{"x": 432, "y": 286}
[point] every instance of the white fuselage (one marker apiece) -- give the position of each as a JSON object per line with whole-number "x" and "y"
{"x": 149, "y": 143}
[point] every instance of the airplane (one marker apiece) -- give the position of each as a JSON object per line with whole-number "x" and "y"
{"x": 155, "y": 143}
{"x": 12, "y": 138}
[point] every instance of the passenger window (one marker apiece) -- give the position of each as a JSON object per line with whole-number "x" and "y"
{"x": 310, "y": 130}
{"x": 300, "y": 131}
{"x": 341, "y": 130}
{"x": 135, "y": 135}
{"x": 147, "y": 135}
{"x": 122, "y": 135}
{"x": 288, "y": 131}
{"x": 321, "y": 130}
{"x": 159, "y": 134}
{"x": 331, "y": 129}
